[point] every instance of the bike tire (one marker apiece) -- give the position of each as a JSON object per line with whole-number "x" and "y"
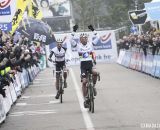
{"x": 61, "y": 91}
{"x": 92, "y": 105}
{"x": 61, "y": 98}
{"x": 91, "y": 100}
{"x": 89, "y": 92}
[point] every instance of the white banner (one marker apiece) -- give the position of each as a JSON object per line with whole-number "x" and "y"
{"x": 54, "y": 8}
{"x": 2, "y": 111}
{"x": 121, "y": 56}
{"x": 7, "y": 10}
{"x": 105, "y": 49}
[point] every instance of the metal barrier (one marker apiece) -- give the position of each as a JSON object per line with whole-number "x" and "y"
{"x": 15, "y": 89}
{"x": 136, "y": 60}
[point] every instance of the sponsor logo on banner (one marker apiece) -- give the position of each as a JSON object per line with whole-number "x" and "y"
{"x": 40, "y": 38}
{"x": 104, "y": 42}
{"x": 5, "y": 7}
{"x": 6, "y": 26}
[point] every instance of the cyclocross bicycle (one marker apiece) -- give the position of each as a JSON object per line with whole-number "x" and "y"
{"x": 61, "y": 84}
{"x": 90, "y": 90}
{"x": 60, "y": 81}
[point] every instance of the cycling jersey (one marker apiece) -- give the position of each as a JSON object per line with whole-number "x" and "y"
{"x": 59, "y": 53}
{"x": 84, "y": 51}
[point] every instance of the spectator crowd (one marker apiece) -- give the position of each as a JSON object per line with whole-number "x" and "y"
{"x": 16, "y": 53}
{"x": 148, "y": 43}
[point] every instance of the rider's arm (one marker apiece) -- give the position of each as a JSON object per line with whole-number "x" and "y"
{"x": 73, "y": 40}
{"x": 73, "y": 37}
{"x": 93, "y": 55}
{"x": 95, "y": 36}
{"x": 51, "y": 54}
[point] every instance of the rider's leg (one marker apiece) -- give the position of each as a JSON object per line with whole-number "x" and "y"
{"x": 95, "y": 75}
{"x": 83, "y": 68}
{"x": 57, "y": 81}
{"x": 57, "y": 85}
{"x": 65, "y": 74}
{"x": 84, "y": 88}
{"x": 84, "y": 80}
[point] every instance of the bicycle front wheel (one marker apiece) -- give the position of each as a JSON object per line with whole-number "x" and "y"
{"x": 91, "y": 99}
{"x": 61, "y": 91}
{"x": 61, "y": 98}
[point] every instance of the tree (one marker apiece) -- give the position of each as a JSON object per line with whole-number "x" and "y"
{"x": 104, "y": 13}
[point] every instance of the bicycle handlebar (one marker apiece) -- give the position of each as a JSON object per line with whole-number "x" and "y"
{"x": 54, "y": 62}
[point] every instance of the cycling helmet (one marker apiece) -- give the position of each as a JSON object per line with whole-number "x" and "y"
{"x": 83, "y": 35}
{"x": 59, "y": 41}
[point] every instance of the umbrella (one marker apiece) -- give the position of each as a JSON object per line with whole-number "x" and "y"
{"x": 36, "y": 30}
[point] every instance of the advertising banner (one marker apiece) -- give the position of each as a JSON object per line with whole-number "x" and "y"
{"x": 17, "y": 85}
{"x": 105, "y": 49}
{"x": 7, "y": 10}
{"x": 157, "y": 72}
{"x": 153, "y": 10}
{"x": 154, "y": 65}
{"x": 8, "y": 100}
{"x": 133, "y": 62}
{"x": 6, "y": 26}
{"x": 144, "y": 64}
{"x": 54, "y": 8}
{"x": 139, "y": 62}
{"x": 12, "y": 92}
{"x": 121, "y": 56}
{"x": 2, "y": 111}
{"x": 127, "y": 59}
{"x": 149, "y": 64}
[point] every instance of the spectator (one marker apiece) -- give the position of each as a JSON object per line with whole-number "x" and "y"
{"x": 14, "y": 56}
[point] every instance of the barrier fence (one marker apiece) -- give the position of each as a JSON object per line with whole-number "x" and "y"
{"x": 15, "y": 89}
{"x": 138, "y": 61}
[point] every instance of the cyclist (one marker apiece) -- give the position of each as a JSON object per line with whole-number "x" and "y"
{"x": 59, "y": 52}
{"x": 87, "y": 58}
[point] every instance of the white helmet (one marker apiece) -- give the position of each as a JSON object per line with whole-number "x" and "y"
{"x": 83, "y": 35}
{"x": 59, "y": 40}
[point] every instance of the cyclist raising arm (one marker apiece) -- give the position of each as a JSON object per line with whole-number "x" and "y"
{"x": 59, "y": 52}
{"x": 85, "y": 51}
